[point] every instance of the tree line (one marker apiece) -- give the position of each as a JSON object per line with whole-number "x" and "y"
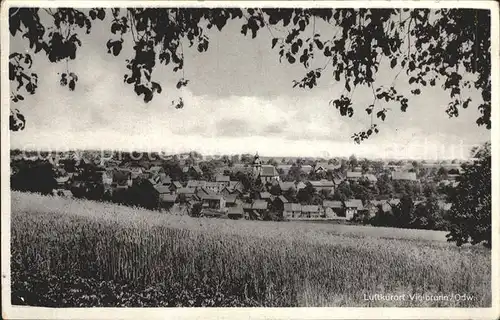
{"x": 468, "y": 220}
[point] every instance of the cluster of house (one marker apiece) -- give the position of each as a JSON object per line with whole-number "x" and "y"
{"x": 224, "y": 197}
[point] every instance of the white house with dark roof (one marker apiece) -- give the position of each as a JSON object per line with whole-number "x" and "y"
{"x": 325, "y": 167}
{"x": 286, "y": 185}
{"x": 268, "y": 173}
{"x": 323, "y": 184}
{"x": 292, "y": 210}
{"x": 163, "y": 194}
{"x": 353, "y": 175}
{"x": 311, "y": 211}
{"x": 333, "y": 209}
{"x": 352, "y": 207}
{"x": 265, "y": 195}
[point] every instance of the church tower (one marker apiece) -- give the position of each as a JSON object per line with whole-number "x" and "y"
{"x": 257, "y": 166}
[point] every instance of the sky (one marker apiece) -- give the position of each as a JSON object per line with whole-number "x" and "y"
{"x": 239, "y": 100}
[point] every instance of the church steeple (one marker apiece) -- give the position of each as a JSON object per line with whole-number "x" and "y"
{"x": 256, "y": 164}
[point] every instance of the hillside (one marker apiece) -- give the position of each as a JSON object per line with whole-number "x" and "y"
{"x": 84, "y": 253}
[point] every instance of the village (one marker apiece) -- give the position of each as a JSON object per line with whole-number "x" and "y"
{"x": 223, "y": 158}
{"x": 255, "y": 189}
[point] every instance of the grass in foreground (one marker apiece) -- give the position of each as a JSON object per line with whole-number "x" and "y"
{"x": 71, "y": 253}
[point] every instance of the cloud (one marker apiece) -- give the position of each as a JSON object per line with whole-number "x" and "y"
{"x": 275, "y": 129}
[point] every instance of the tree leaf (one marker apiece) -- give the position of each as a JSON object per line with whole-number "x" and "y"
{"x": 156, "y": 87}
{"x": 319, "y": 44}
{"x": 274, "y": 42}
{"x": 394, "y": 61}
{"x": 101, "y": 14}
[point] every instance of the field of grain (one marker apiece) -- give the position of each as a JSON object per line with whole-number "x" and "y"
{"x": 67, "y": 252}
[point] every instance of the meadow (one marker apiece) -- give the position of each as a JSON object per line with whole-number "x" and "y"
{"x": 71, "y": 253}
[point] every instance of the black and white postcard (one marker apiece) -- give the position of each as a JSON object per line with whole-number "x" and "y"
{"x": 250, "y": 159}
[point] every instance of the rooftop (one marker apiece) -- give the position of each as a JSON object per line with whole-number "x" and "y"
{"x": 354, "y": 203}
{"x": 268, "y": 171}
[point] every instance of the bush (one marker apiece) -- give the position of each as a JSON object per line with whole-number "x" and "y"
{"x": 196, "y": 210}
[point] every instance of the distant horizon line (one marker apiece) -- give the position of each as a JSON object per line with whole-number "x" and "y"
{"x": 216, "y": 156}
